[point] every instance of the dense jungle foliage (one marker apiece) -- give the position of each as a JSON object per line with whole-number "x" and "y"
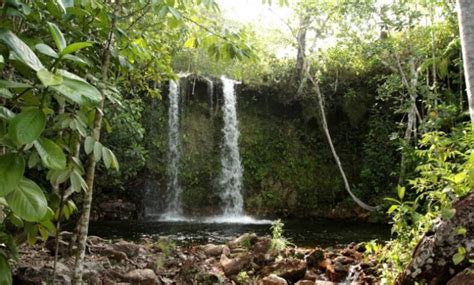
{"x": 83, "y": 110}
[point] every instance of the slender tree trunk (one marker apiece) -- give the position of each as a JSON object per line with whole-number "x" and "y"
{"x": 90, "y": 172}
{"x": 466, "y": 31}
{"x": 333, "y": 149}
{"x": 301, "y": 40}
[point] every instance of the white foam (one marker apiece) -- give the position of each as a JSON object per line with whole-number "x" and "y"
{"x": 243, "y": 219}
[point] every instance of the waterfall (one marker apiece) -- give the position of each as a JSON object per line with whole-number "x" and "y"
{"x": 231, "y": 174}
{"x": 173, "y": 210}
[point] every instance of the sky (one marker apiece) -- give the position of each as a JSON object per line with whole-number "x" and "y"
{"x": 265, "y": 17}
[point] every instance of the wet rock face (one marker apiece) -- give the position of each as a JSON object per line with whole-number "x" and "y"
{"x": 247, "y": 257}
{"x": 116, "y": 210}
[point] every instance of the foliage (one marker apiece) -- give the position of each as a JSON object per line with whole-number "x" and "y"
{"x": 444, "y": 175}
{"x": 279, "y": 242}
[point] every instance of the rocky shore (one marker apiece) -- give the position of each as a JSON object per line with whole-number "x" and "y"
{"x": 247, "y": 259}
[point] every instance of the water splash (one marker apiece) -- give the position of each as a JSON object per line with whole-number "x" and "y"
{"x": 174, "y": 190}
{"x": 231, "y": 174}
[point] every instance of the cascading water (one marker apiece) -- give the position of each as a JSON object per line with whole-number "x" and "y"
{"x": 231, "y": 174}
{"x": 173, "y": 210}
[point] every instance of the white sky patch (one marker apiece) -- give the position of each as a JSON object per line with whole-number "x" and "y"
{"x": 265, "y": 18}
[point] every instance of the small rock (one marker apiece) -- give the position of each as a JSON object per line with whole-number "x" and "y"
{"x": 213, "y": 250}
{"x": 291, "y": 269}
{"x": 244, "y": 240}
{"x": 304, "y": 282}
{"x": 130, "y": 249}
{"x": 314, "y": 257}
{"x": 114, "y": 254}
{"x": 234, "y": 265}
{"x": 142, "y": 277}
{"x": 272, "y": 280}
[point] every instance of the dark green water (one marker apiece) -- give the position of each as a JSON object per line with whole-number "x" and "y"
{"x": 316, "y": 232}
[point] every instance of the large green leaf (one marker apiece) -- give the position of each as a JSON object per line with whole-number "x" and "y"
{"x": 5, "y": 271}
{"x": 48, "y": 78}
{"x": 58, "y": 36}
{"x": 27, "y": 126}
{"x": 46, "y": 50}
{"x": 51, "y": 154}
{"x": 28, "y": 201}
{"x": 20, "y": 49}
{"x": 12, "y": 168}
{"x": 75, "y": 47}
{"x": 77, "y": 89}
{"x": 109, "y": 158}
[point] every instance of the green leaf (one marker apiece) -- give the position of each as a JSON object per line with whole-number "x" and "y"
{"x": 458, "y": 258}
{"x": 21, "y": 50}
{"x": 447, "y": 213}
{"x": 461, "y": 231}
{"x": 51, "y": 154}
{"x": 46, "y": 50}
{"x": 12, "y": 168}
{"x": 48, "y": 78}
{"x": 75, "y": 47}
{"x": 89, "y": 145}
{"x": 13, "y": 84}
{"x": 5, "y": 271}
{"x": 58, "y": 36}
{"x": 77, "y": 89}
{"x": 76, "y": 59}
{"x": 27, "y": 126}
{"x": 392, "y": 209}
{"x": 97, "y": 151}
{"x": 6, "y": 114}
{"x": 401, "y": 192}
{"x": 28, "y": 201}
{"x": 109, "y": 158}
{"x": 14, "y": 219}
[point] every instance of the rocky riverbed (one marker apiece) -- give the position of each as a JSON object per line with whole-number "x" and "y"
{"x": 247, "y": 259}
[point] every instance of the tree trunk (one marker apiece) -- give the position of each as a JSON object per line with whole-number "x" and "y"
{"x": 90, "y": 172}
{"x": 333, "y": 149}
{"x": 300, "y": 57}
{"x": 466, "y": 31}
{"x": 432, "y": 261}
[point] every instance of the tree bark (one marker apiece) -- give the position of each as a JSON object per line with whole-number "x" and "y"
{"x": 90, "y": 172}
{"x": 466, "y": 31}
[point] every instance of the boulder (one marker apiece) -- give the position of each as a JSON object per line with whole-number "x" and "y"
{"x": 432, "y": 257}
{"x": 466, "y": 277}
{"x": 142, "y": 277}
{"x": 232, "y": 266}
{"x": 272, "y": 280}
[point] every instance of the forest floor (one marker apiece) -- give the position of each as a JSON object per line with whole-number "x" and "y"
{"x": 247, "y": 259}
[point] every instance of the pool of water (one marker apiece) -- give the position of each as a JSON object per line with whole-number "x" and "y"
{"x": 310, "y": 232}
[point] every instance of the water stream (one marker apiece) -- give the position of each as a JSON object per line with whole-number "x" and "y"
{"x": 174, "y": 190}
{"x": 230, "y": 179}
